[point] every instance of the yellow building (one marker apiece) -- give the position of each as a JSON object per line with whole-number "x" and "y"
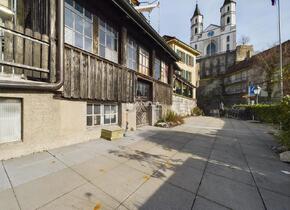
{"x": 186, "y": 78}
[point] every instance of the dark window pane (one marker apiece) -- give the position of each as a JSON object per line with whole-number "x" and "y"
{"x": 88, "y": 14}
{"x": 97, "y": 109}
{"x": 113, "y": 118}
{"x": 97, "y": 120}
{"x": 89, "y": 109}
{"x": 107, "y": 109}
{"x": 107, "y": 119}
{"x": 79, "y": 8}
{"x": 89, "y": 120}
{"x": 70, "y": 2}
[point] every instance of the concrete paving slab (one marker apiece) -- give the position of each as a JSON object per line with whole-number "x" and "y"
{"x": 8, "y": 200}
{"x": 4, "y": 182}
{"x": 268, "y": 174}
{"x": 43, "y": 190}
{"x": 74, "y": 154}
{"x": 230, "y": 193}
{"x": 31, "y": 167}
{"x": 204, "y": 204}
{"x": 93, "y": 168}
{"x": 148, "y": 167}
{"x": 86, "y": 197}
{"x": 182, "y": 176}
{"x": 142, "y": 145}
{"x": 275, "y": 201}
{"x": 229, "y": 157}
{"x": 234, "y": 173}
{"x": 120, "y": 182}
{"x": 188, "y": 159}
{"x": 157, "y": 194}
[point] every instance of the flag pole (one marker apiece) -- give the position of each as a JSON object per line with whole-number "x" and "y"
{"x": 281, "y": 50}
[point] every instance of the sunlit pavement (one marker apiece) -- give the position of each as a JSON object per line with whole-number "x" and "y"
{"x": 207, "y": 163}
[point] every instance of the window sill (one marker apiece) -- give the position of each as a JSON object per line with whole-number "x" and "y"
{"x": 99, "y": 127}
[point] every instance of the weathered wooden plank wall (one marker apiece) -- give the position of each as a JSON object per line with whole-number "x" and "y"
{"x": 88, "y": 77}
{"x": 36, "y": 20}
{"x": 162, "y": 93}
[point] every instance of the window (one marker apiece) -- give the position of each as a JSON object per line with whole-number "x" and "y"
{"x": 108, "y": 41}
{"x": 195, "y": 30}
{"x": 189, "y": 60}
{"x": 78, "y": 26}
{"x": 110, "y": 114}
{"x": 181, "y": 55}
{"x": 132, "y": 54}
{"x": 157, "y": 69}
{"x": 228, "y": 20}
{"x": 143, "y": 61}
{"x": 143, "y": 90}
{"x": 228, "y": 8}
{"x": 164, "y": 72}
{"x": 211, "y": 49}
{"x": 228, "y": 47}
{"x": 10, "y": 120}
{"x": 228, "y": 38}
{"x": 195, "y": 46}
{"x": 101, "y": 114}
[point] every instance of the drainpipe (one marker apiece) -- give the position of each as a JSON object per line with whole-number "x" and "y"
{"x": 60, "y": 57}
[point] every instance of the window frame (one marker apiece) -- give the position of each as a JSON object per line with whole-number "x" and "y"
{"x": 20, "y": 139}
{"x": 133, "y": 46}
{"x": 74, "y": 31}
{"x": 111, "y": 52}
{"x": 144, "y": 56}
{"x": 102, "y": 114}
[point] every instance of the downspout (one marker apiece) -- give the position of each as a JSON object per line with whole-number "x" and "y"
{"x": 60, "y": 60}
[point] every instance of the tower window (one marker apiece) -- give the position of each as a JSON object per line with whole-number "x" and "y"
{"x": 228, "y": 8}
{"x": 228, "y": 38}
{"x": 228, "y": 47}
{"x": 195, "y": 30}
{"x": 228, "y": 20}
{"x": 195, "y": 46}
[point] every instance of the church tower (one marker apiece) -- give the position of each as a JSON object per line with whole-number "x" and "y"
{"x": 196, "y": 23}
{"x": 228, "y": 13}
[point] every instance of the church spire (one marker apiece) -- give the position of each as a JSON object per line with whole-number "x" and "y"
{"x": 197, "y": 11}
{"x": 228, "y": 2}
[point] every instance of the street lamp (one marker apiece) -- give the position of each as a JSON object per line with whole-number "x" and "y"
{"x": 257, "y": 92}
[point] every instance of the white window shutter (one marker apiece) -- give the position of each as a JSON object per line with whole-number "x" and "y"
{"x": 10, "y": 120}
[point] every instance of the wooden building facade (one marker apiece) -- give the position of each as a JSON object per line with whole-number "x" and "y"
{"x": 73, "y": 67}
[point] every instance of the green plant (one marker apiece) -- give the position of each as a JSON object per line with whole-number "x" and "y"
{"x": 274, "y": 113}
{"x": 196, "y": 111}
{"x": 173, "y": 117}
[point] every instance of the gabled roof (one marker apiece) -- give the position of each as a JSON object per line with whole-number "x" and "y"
{"x": 170, "y": 39}
{"x": 212, "y": 27}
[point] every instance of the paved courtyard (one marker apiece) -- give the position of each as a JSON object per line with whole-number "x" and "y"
{"x": 207, "y": 163}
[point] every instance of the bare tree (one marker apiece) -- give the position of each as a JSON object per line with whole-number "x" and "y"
{"x": 244, "y": 40}
{"x": 268, "y": 61}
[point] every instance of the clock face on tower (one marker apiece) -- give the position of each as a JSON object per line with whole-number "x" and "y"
{"x": 210, "y": 33}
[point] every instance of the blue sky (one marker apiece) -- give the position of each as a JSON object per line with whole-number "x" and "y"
{"x": 255, "y": 18}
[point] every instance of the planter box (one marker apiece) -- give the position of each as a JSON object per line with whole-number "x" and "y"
{"x": 112, "y": 133}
